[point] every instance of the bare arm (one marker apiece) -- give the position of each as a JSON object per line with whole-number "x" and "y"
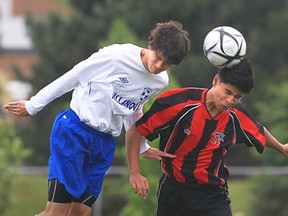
{"x": 138, "y": 182}
{"x": 273, "y": 143}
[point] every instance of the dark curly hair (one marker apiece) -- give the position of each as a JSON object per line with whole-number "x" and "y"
{"x": 240, "y": 75}
{"x": 170, "y": 40}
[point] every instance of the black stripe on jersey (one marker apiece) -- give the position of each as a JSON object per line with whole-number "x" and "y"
{"x": 229, "y": 132}
{"x": 242, "y": 108}
{"x": 217, "y": 155}
{"x": 244, "y": 138}
{"x": 209, "y": 127}
{"x": 180, "y": 135}
{"x": 167, "y": 131}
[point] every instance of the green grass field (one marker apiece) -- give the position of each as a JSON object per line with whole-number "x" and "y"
{"x": 30, "y": 195}
{"x": 241, "y": 196}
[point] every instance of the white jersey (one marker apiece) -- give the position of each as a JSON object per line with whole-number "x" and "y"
{"x": 110, "y": 88}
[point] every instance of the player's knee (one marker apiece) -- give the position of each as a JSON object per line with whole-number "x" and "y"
{"x": 79, "y": 209}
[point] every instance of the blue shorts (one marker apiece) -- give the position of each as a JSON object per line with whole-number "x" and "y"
{"x": 80, "y": 155}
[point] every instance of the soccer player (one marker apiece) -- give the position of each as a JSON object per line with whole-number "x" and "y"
{"x": 109, "y": 90}
{"x": 197, "y": 125}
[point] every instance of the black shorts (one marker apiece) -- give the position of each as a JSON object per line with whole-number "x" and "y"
{"x": 57, "y": 193}
{"x": 179, "y": 199}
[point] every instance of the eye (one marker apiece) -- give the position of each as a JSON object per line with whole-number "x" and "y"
{"x": 159, "y": 57}
{"x": 237, "y": 97}
{"x": 228, "y": 92}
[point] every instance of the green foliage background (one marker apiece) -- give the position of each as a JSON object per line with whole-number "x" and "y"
{"x": 11, "y": 154}
{"x": 61, "y": 42}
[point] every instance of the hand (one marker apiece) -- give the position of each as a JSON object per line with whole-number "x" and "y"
{"x": 139, "y": 184}
{"x": 17, "y": 108}
{"x": 156, "y": 154}
{"x": 285, "y": 149}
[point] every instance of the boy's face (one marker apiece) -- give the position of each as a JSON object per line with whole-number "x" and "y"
{"x": 155, "y": 62}
{"x": 225, "y": 95}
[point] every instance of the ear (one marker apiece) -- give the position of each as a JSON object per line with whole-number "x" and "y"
{"x": 215, "y": 79}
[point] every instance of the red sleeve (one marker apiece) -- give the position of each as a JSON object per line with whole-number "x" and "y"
{"x": 249, "y": 131}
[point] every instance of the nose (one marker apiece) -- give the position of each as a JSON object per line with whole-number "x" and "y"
{"x": 230, "y": 100}
{"x": 161, "y": 64}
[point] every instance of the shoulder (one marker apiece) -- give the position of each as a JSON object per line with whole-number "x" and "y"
{"x": 125, "y": 54}
{"x": 240, "y": 107}
{"x": 117, "y": 51}
{"x": 242, "y": 112}
{"x": 188, "y": 92}
{"x": 128, "y": 47}
{"x": 180, "y": 97}
{"x": 177, "y": 100}
{"x": 164, "y": 76}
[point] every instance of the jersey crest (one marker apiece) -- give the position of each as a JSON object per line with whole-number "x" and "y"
{"x": 146, "y": 93}
{"x": 218, "y": 138}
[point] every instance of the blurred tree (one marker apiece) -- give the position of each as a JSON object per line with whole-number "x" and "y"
{"x": 120, "y": 33}
{"x": 273, "y": 189}
{"x": 270, "y": 194}
{"x": 85, "y": 7}
{"x": 273, "y": 114}
{"x": 11, "y": 153}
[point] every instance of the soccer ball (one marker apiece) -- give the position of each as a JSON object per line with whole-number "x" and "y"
{"x": 224, "y": 46}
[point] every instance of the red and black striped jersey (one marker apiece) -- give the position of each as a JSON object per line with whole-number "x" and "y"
{"x": 200, "y": 142}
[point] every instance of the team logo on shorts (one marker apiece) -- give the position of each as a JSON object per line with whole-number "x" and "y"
{"x": 146, "y": 93}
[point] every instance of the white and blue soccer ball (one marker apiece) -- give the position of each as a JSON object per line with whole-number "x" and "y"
{"x": 224, "y": 46}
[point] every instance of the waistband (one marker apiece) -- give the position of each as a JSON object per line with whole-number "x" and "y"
{"x": 75, "y": 118}
{"x": 190, "y": 186}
